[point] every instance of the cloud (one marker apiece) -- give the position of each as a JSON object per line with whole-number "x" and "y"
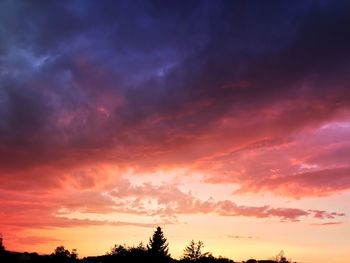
{"x": 146, "y": 201}
{"x": 239, "y": 237}
{"x": 315, "y": 183}
{"x": 328, "y": 223}
{"x": 309, "y": 163}
{"x": 246, "y": 93}
{"x": 36, "y": 240}
{"x": 325, "y": 215}
{"x": 58, "y": 104}
{"x": 170, "y": 200}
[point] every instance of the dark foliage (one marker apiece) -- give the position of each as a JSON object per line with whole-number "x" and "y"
{"x": 63, "y": 255}
{"x": 158, "y": 245}
{"x": 2, "y": 247}
{"x": 156, "y": 252}
{"x": 193, "y": 252}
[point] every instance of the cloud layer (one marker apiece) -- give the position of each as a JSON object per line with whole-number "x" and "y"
{"x": 250, "y": 94}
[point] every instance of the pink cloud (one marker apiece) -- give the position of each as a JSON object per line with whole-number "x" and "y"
{"x": 29, "y": 210}
{"x": 311, "y": 163}
{"x": 325, "y": 215}
{"x": 328, "y": 223}
{"x": 315, "y": 183}
{"x": 171, "y": 200}
{"x": 36, "y": 240}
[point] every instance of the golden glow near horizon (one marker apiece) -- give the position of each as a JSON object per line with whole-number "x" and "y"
{"x": 191, "y": 210}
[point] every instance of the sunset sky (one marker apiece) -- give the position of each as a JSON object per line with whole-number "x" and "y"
{"x": 221, "y": 121}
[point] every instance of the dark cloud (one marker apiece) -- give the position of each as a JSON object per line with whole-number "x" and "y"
{"x": 132, "y": 81}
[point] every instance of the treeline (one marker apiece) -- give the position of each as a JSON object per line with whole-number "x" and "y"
{"x": 157, "y": 251}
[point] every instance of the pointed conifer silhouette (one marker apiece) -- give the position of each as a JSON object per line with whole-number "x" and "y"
{"x": 158, "y": 245}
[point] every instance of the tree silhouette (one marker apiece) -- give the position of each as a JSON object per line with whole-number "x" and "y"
{"x": 156, "y": 252}
{"x": 281, "y": 257}
{"x": 61, "y": 252}
{"x": 137, "y": 253}
{"x": 158, "y": 245}
{"x": 193, "y": 251}
{"x": 74, "y": 254}
{"x": 119, "y": 250}
{"x": 2, "y": 247}
{"x": 63, "y": 255}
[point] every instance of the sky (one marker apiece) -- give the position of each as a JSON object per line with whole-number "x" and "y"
{"x": 221, "y": 121}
